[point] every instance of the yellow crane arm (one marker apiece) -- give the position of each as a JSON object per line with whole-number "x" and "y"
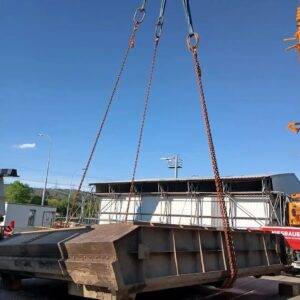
{"x": 294, "y": 127}
{"x": 297, "y": 33}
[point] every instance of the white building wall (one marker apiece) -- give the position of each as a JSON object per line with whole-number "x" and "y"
{"x": 257, "y": 207}
{"x": 244, "y": 211}
{"x": 20, "y": 213}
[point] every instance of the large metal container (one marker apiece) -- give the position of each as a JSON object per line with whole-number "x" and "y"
{"x": 117, "y": 261}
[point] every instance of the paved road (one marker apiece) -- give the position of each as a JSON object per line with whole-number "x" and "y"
{"x": 244, "y": 289}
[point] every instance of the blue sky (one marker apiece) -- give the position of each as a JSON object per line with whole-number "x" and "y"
{"x": 57, "y": 64}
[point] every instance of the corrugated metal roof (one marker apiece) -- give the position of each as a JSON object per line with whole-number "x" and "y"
{"x": 195, "y": 178}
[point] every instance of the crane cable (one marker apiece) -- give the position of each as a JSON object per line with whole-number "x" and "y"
{"x": 157, "y": 35}
{"x": 138, "y": 18}
{"x": 192, "y": 44}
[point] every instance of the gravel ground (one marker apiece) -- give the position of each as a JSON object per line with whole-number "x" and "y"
{"x": 244, "y": 289}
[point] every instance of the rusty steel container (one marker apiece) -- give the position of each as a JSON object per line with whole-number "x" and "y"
{"x": 117, "y": 261}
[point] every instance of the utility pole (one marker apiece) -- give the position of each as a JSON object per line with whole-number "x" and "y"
{"x": 48, "y": 165}
{"x": 174, "y": 162}
{"x": 69, "y": 197}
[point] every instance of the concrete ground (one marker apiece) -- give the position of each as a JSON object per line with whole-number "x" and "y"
{"x": 244, "y": 289}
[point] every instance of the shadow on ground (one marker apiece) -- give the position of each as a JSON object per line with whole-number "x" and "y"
{"x": 244, "y": 289}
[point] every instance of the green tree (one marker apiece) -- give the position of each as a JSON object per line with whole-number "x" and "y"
{"x": 60, "y": 204}
{"x": 36, "y": 199}
{"x": 18, "y": 192}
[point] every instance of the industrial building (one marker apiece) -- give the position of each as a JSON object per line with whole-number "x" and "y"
{"x": 251, "y": 201}
{"x": 24, "y": 215}
{"x": 28, "y": 215}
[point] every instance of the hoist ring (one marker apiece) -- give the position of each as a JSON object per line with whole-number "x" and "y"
{"x": 139, "y": 15}
{"x": 192, "y": 41}
{"x": 158, "y": 30}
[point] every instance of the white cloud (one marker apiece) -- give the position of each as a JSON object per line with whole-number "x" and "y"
{"x": 25, "y": 146}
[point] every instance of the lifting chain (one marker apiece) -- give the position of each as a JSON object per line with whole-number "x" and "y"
{"x": 157, "y": 35}
{"x": 138, "y": 18}
{"x": 192, "y": 44}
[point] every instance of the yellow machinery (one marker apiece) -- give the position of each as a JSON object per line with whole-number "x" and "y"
{"x": 296, "y": 36}
{"x": 294, "y": 127}
{"x": 293, "y": 209}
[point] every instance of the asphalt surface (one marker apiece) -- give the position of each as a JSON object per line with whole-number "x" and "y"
{"x": 244, "y": 289}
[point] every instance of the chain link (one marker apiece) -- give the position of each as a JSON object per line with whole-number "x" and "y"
{"x": 141, "y": 130}
{"x": 192, "y": 44}
{"x": 160, "y": 20}
{"x": 131, "y": 44}
{"x": 192, "y": 41}
{"x": 158, "y": 29}
{"x": 139, "y": 16}
{"x": 157, "y": 34}
{"x": 218, "y": 182}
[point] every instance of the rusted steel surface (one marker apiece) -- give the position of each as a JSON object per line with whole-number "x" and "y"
{"x": 117, "y": 261}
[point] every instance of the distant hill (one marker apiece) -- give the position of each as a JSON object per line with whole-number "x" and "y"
{"x": 51, "y": 192}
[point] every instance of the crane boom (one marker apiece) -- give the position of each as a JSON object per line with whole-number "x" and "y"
{"x": 296, "y": 36}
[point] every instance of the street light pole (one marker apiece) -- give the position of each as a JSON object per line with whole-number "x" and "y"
{"x": 48, "y": 166}
{"x": 176, "y": 165}
{"x": 174, "y": 162}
